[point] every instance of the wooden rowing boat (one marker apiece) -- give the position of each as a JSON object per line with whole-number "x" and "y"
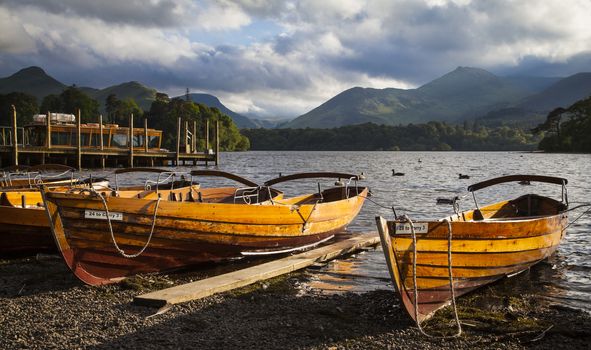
{"x": 24, "y": 228}
{"x": 471, "y": 248}
{"x": 214, "y": 224}
{"x": 28, "y": 177}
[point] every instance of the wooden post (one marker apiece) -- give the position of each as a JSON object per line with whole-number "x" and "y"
{"x": 217, "y": 142}
{"x": 207, "y": 136}
{"x": 146, "y": 139}
{"x": 178, "y": 141}
{"x": 186, "y": 143}
{"x": 14, "y": 135}
{"x": 79, "y": 145}
{"x": 206, "y": 140}
{"x": 194, "y": 138}
{"x": 48, "y": 121}
{"x": 194, "y": 142}
{"x": 101, "y": 142}
{"x": 131, "y": 140}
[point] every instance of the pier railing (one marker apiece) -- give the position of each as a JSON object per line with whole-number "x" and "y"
{"x": 98, "y": 154}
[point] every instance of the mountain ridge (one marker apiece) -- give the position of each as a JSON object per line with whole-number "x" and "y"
{"x": 465, "y": 93}
{"x": 35, "y": 81}
{"x": 212, "y": 101}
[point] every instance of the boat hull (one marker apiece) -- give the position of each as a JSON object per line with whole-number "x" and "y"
{"x": 185, "y": 233}
{"x": 482, "y": 252}
{"x": 26, "y": 231}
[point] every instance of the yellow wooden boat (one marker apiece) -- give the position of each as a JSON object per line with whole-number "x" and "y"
{"x": 105, "y": 239}
{"x": 24, "y": 228}
{"x": 28, "y": 177}
{"x": 459, "y": 253}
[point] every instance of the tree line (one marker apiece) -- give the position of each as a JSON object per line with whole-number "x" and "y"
{"x": 567, "y": 130}
{"x": 163, "y": 114}
{"x": 432, "y": 136}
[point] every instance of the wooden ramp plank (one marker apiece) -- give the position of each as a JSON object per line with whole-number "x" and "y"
{"x": 236, "y": 279}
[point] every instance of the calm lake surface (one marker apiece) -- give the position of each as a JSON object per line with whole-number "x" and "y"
{"x": 565, "y": 278}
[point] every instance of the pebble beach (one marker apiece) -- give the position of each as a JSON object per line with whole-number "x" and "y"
{"x": 45, "y": 307}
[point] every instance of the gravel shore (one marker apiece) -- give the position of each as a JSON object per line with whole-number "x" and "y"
{"x": 43, "y": 306}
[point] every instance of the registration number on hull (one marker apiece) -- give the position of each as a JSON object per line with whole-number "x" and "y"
{"x": 102, "y": 215}
{"x": 404, "y": 227}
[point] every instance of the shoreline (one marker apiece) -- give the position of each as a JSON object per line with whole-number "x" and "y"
{"x": 44, "y": 306}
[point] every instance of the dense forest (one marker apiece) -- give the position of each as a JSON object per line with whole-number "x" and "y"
{"x": 432, "y": 136}
{"x": 163, "y": 115}
{"x": 567, "y": 130}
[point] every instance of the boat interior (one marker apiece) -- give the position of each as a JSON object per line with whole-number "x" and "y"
{"x": 524, "y": 207}
{"x": 253, "y": 195}
{"x": 194, "y": 193}
{"x": 32, "y": 198}
{"x": 328, "y": 195}
{"x": 227, "y": 195}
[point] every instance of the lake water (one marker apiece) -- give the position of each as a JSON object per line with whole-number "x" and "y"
{"x": 565, "y": 278}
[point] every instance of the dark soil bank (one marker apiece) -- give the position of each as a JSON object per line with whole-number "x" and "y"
{"x": 42, "y": 306}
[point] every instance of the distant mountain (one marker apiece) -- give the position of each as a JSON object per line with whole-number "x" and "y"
{"x": 533, "y": 109}
{"x": 212, "y": 101}
{"x": 356, "y": 106}
{"x": 532, "y": 84}
{"x": 461, "y": 94}
{"x": 267, "y": 124}
{"x": 36, "y": 82}
{"x": 33, "y": 81}
{"x": 563, "y": 93}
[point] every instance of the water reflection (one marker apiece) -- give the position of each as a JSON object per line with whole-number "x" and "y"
{"x": 361, "y": 272}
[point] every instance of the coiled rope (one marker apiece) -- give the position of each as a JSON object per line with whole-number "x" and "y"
{"x": 117, "y": 248}
{"x": 451, "y": 285}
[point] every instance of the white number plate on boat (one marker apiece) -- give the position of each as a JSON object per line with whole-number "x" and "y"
{"x": 102, "y": 215}
{"x": 404, "y": 227}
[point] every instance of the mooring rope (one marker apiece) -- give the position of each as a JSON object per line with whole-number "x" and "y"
{"x": 451, "y": 279}
{"x": 414, "y": 279}
{"x": 580, "y": 216}
{"x": 119, "y": 250}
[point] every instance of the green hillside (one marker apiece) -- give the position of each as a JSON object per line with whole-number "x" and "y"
{"x": 358, "y": 105}
{"x": 462, "y": 94}
{"x": 143, "y": 95}
{"x": 33, "y": 81}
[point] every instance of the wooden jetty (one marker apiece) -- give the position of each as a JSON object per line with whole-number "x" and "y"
{"x": 61, "y": 138}
{"x": 225, "y": 282}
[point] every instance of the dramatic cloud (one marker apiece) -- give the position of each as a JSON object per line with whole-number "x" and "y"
{"x": 14, "y": 38}
{"x": 283, "y": 58}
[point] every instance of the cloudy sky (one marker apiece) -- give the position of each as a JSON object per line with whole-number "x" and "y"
{"x": 282, "y": 58}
